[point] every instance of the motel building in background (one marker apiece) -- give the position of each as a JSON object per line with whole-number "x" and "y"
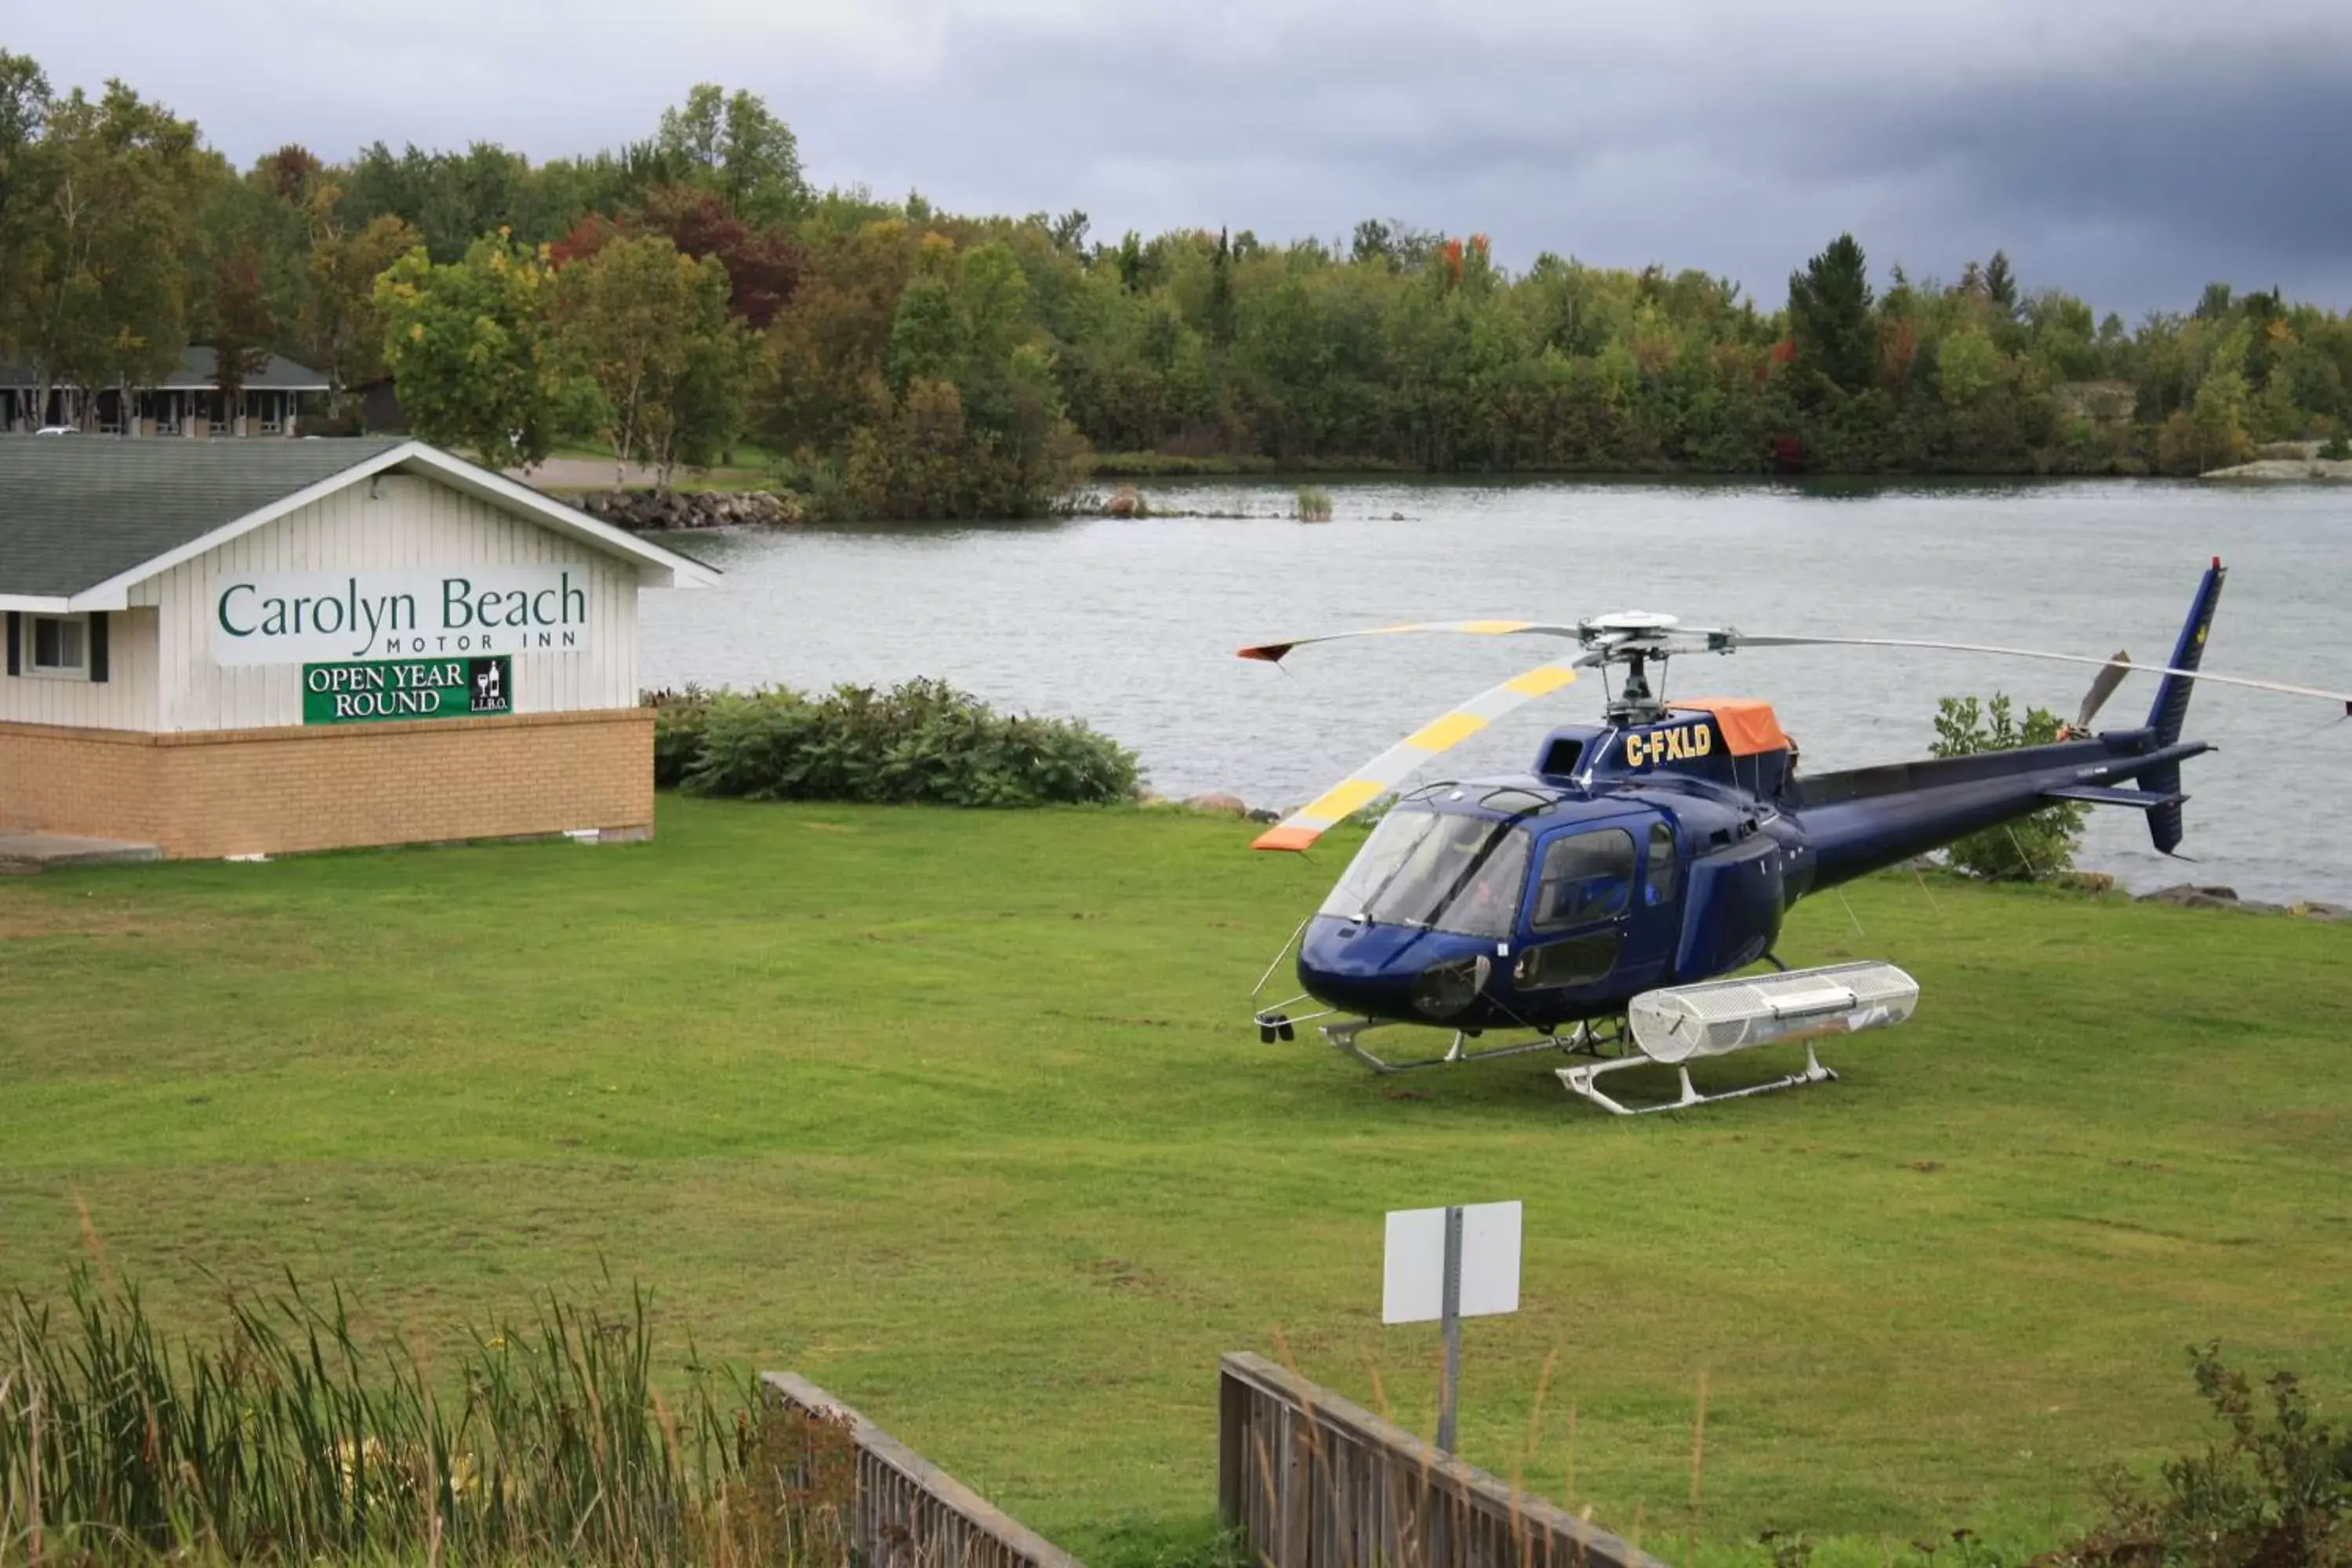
{"x": 238, "y": 647}
{"x": 185, "y": 401}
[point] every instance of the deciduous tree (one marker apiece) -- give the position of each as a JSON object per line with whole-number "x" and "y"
{"x": 763, "y": 263}
{"x": 473, "y": 350}
{"x": 732, "y": 144}
{"x": 2032, "y": 848}
{"x": 341, "y": 328}
{"x": 242, "y": 327}
{"x": 649, "y": 329}
{"x": 1968, "y": 366}
{"x": 104, "y": 295}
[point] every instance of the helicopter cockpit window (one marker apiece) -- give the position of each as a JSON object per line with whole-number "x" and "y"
{"x": 1429, "y": 869}
{"x": 1586, "y": 877}
{"x": 1516, "y": 802}
{"x": 1658, "y": 885}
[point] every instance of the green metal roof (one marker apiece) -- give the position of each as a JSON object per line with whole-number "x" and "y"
{"x": 198, "y": 371}
{"x": 76, "y": 510}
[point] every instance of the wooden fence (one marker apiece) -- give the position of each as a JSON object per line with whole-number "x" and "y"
{"x": 1312, "y": 1481}
{"x": 908, "y": 1513}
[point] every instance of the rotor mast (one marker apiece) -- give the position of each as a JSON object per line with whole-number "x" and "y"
{"x": 1636, "y": 640}
{"x": 1635, "y": 702}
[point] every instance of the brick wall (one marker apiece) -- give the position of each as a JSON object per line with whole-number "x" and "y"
{"x": 203, "y": 794}
{"x": 100, "y": 782}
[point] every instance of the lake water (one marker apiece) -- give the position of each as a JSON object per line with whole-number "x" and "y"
{"x": 1132, "y": 626}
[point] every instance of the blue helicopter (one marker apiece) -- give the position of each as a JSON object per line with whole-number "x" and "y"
{"x": 1593, "y": 902}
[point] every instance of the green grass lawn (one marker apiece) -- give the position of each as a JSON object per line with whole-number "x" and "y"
{"x": 959, "y": 1115}
{"x": 753, "y": 467}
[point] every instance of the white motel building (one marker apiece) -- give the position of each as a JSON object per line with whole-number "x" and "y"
{"x": 223, "y": 649}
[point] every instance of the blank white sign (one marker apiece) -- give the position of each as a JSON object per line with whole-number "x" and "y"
{"x": 1412, "y": 1274}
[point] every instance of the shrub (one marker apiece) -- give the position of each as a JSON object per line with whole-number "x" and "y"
{"x": 2276, "y": 1492}
{"x": 2335, "y": 449}
{"x": 2032, "y": 849}
{"x": 1314, "y": 504}
{"x": 1172, "y": 464}
{"x": 923, "y": 742}
{"x": 678, "y": 718}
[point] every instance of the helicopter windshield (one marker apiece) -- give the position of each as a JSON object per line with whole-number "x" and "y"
{"x": 1428, "y": 869}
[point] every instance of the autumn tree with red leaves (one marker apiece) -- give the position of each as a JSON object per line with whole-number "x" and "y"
{"x": 764, "y": 265}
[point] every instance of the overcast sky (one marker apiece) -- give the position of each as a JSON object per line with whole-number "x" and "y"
{"x": 2125, "y": 150}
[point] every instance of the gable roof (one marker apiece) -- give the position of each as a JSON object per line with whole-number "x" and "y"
{"x": 195, "y": 372}
{"x": 82, "y": 518}
{"x": 277, "y": 373}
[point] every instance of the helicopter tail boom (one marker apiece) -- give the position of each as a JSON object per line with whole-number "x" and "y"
{"x": 1873, "y": 818}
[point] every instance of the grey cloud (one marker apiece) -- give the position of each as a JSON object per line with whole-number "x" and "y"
{"x": 2251, "y": 146}
{"x": 2122, "y": 150}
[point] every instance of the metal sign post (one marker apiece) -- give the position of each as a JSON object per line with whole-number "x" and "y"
{"x": 1448, "y": 1264}
{"x": 1449, "y": 1381}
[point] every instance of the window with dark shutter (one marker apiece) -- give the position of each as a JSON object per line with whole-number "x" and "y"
{"x": 56, "y": 648}
{"x": 98, "y": 644}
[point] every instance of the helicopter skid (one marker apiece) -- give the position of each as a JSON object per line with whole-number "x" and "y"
{"x": 1584, "y": 1080}
{"x": 1347, "y": 1037}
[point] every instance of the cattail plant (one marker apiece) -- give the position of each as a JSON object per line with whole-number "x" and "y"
{"x": 283, "y": 1440}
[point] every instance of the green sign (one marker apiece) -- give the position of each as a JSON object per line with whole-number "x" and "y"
{"x": 406, "y": 689}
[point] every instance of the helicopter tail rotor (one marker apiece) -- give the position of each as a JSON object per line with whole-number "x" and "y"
{"x": 2102, "y": 686}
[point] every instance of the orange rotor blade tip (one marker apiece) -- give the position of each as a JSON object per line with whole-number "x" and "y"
{"x": 1286, "y": 837}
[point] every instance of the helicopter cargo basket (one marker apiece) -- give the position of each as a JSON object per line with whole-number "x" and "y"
{"x": 1681, "y": 1023}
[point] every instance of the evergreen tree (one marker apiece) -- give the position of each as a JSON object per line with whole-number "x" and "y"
{"x": 2000, "y": 284}
{"x": 1220, "y": 292}
{"x": 1830, "y": 319}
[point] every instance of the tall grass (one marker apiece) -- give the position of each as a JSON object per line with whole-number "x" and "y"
{"x": 1314, "y": 504}
{"x": 282, "y": 1439}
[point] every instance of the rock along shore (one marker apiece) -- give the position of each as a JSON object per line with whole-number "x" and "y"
{"x": 2291, "y": 461}
{"x": 693, "y": 508}
{"x": 2326, "y": 470}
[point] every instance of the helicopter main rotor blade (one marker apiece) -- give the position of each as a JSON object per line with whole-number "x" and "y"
{"x": 1746, "y": 639}
{"x": 1274, "y": 652}
{"x": 1302, "y": 827}
{"x": 2102, "y": 686}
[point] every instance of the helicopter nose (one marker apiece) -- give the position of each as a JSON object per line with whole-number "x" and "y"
{"x": 1347, "y": 964}
{"x": 1383, "y": 971}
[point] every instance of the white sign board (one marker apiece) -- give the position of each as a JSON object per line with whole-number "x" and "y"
{"x": 1412, "y": 1286}
{"x": 304, "y": 617}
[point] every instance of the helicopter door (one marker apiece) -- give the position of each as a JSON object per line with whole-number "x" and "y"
{"x": 1584, "y": 895}
{"x": 1656, "y": 919}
